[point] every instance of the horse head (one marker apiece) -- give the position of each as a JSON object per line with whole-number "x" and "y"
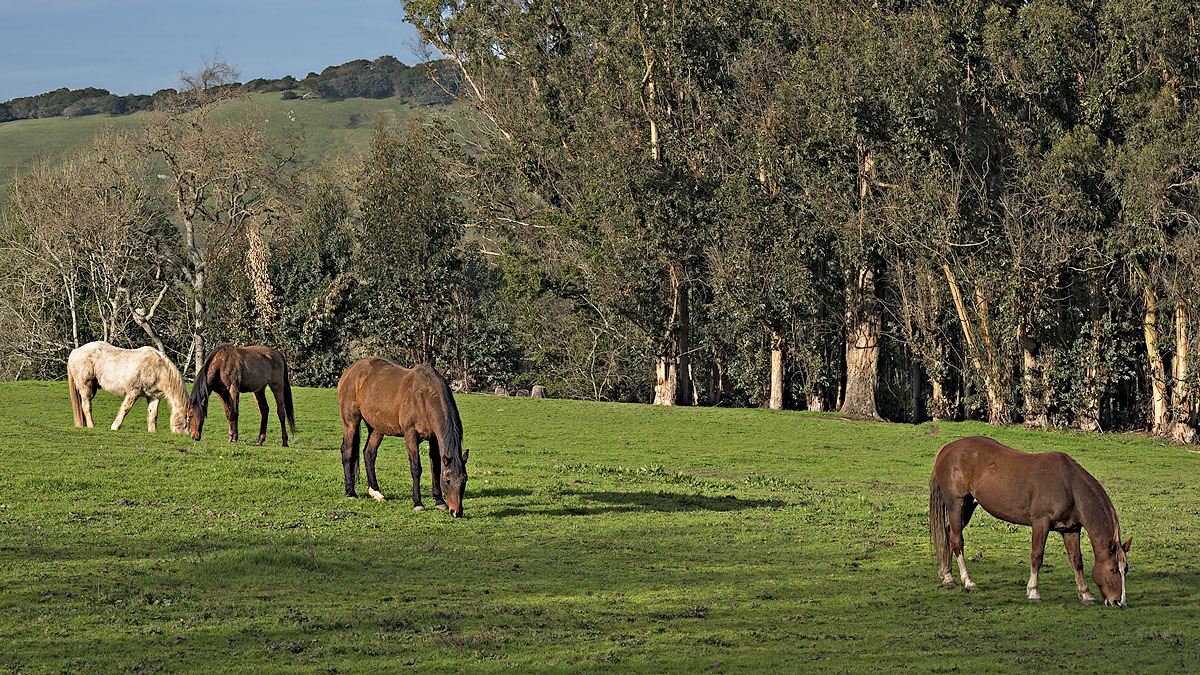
{"x": 1109, "y": 571}
{"x": 454, "y": 483}
{"x": 196, "y": 412}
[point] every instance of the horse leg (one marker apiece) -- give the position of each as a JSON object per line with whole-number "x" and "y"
{"x": 86, "y": 393}
{"x": 1040, "y": 530}
{"x": 435, "y": 468}
{"x": 281, "y": 409}
{"x": 412, "y": 442}
{"x": 152, "y": 414}
{"x": 1071, "y": 541}
{"x": 126, "y": 406}
{"x": 230, "y": 400}
{"x": 958, "y": 513}
{"x": 350, "y": 452}
{"x": 373, "y": 442}
{"x": 263, "y": 411}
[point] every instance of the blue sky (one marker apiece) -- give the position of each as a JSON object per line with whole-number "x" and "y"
{"x": 138, "y": 47}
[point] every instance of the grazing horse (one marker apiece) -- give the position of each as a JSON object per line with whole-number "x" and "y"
{"x": 228, "y": 372}
{"x": 415, "y": 403}
{"x": 1047, "y": 491}
{"x": 130, "y": 372}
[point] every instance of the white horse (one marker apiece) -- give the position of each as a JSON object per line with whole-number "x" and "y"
{"x": 132, "y": 373}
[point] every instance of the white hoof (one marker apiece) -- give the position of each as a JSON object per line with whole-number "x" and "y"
{"x": 376, "y": 494}
{"x": 1034, "y": 596}
{"x": 418, "y": 508}
{"x": 969, "y": 585}
{"x": 115, "y": 427}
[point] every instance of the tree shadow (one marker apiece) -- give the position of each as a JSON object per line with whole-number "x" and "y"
{"x": 608, "y": 501}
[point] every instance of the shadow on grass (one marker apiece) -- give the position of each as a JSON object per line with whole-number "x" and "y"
{"x": 593, "y": 502}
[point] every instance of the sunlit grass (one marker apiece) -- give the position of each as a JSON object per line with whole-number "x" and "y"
{"x": 597, "y": 537}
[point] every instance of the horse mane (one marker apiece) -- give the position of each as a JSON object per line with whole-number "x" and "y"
{"x": 173, "y": 381}
{"x": 451, "y": 439}
{"x": 1106, "y": 509}
{"x": 200, "y": 390}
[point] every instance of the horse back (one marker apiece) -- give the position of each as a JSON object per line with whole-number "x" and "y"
{"x": 246, "y": 368}
{"x": 1015, "y": 486}
{"x": 393, "y": 399}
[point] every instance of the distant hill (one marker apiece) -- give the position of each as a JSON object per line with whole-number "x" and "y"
{"x": 330, "y": 106}
{"x": 385, "y": 77}
{"x": 331, "y": 127}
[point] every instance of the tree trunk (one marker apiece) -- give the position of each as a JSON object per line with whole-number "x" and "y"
{"x": 864, "y": 316}
{"x": 672, "y": 367}
{"x": 1181, "y": 407}
{"x": 993, "y": 386}
{"x": 1158, "y": 375}
{"x": 143, "y": 319}
{"x": 1088, "y": 414}
{"x": 775, "y": 402}
{"x": 1035, "y": 395}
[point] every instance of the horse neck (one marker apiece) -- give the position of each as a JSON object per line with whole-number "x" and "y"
{"x": 1097, "y": 515}
{"x": 173, "y": 390}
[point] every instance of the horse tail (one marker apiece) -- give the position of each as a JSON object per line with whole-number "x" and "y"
{"x": 939, "y": 531}
{"x": 76, "y": 401}
{"x": 287, "y": 398}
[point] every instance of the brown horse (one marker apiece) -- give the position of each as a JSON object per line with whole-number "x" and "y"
{"x": 411, "y": 402}
{"x": 228, "y": 372}
{"x": 1048, "y": 491}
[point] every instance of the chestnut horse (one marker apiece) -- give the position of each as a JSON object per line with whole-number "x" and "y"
{"x": 1047, "y": 491}
{"x": 228, "y": 372}
{"x": 415, "y": 403}
{"x": 131, "y": 373}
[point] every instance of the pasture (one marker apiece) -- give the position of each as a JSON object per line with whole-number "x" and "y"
{"x": 597, "y": 537}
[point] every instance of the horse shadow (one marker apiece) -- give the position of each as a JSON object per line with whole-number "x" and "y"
{"x": 593, "y": 502}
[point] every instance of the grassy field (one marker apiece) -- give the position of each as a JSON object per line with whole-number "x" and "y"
{"x": 597, "y": 537}
{"x": 331, "y": 128}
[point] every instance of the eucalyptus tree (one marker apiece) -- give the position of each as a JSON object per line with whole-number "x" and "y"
{"x": 410, "y": 232}
{"x": 605, "y": 111}
{"x": 1152, "y": 100}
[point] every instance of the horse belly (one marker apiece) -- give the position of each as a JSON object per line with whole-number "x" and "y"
{"x": 1003, "y": 502}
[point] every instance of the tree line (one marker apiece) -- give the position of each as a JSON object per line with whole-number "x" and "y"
{"x": 383, "y": 77}
{"x": 894, "y": 209}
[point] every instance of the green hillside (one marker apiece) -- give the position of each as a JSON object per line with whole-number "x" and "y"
{"x": 331, "y": 128}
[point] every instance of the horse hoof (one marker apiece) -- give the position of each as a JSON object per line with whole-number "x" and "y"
{"x": 1088, "y": 601}
{"x": 970, "y": 586}
{"x": 440, "y": 505}
{"x": 418, "y": 508}
{"x": 1035, "y": 598}
{"x": 376, "y": 494}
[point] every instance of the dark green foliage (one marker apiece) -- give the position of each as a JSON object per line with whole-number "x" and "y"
{"x": 315, "y": 275}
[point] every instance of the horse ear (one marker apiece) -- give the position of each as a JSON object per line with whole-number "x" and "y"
{"x": 1126, "y": 544}
{"x": 464, "y": 455}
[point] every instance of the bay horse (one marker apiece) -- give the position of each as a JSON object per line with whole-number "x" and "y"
{"x": 415, "y": 403}
{"x": 132, "y": 373}
{"x": 228, "y": 372}
{"x": 1047, "y": 491}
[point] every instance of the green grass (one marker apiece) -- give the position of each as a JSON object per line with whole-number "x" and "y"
{"x": 331, "y": 128}
{"x": 597, "y": 537}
